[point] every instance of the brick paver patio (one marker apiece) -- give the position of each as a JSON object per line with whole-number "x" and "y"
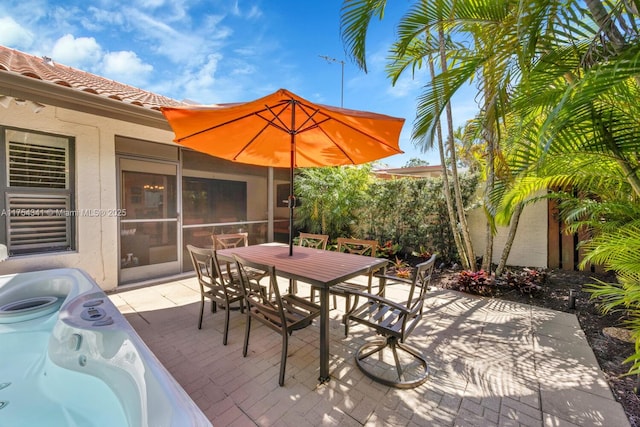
{"x": 492, "y": 363}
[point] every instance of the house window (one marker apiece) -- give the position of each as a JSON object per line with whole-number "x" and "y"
{"x": 37, "y": 186}
{"x": 213, "y": 200}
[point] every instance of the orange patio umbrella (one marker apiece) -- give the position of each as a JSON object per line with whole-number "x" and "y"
{"x": 285, "y": 130}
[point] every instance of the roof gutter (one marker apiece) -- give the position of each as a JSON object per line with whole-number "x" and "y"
{"x": 29, "y": 88}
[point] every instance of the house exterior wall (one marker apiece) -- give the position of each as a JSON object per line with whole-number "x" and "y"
{"x": 531, "y": 242}
{"x": 95, "y": 187}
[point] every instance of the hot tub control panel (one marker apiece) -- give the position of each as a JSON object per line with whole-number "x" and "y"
{"x": 92, "y": 312}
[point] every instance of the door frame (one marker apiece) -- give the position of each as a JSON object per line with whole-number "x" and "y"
{"x": 146, "y": 165}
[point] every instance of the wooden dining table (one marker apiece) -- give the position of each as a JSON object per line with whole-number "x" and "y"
{"x": 316, "y": 267}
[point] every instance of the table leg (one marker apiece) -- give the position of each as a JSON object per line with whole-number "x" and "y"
{"x": 324, "y": 335}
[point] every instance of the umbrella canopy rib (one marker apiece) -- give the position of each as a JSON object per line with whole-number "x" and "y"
{"x": 248, "y": 144}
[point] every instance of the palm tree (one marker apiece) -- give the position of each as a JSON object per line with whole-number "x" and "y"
{"x": 567, "y": 74}
{"x": 488, "y": 51}
{"x": 580, "y": 102}
{"x": 356, "y": 18}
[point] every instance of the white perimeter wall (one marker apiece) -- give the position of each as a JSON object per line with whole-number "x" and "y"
{"x": 95, "y": 185}
{"x": 530, "y": 245}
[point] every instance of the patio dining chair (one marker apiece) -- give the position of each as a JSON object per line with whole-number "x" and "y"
{"x": 234, "y": 240}
{"x": 358, "y": 247}
{"x": 214, "y": 285}
{"x": 284, "y": 314}
{"x": 394, "y": 320}
{"x": 309, "y": 240}
{"x": 230, "y": 240}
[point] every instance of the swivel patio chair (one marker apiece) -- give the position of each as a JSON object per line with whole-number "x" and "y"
{"x": 395, "y": 320}
{"x": 214, "y": 285}
{"x": 284, "y": 314}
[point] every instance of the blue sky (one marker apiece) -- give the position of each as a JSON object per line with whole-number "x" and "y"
{"x": 216, "y": 51}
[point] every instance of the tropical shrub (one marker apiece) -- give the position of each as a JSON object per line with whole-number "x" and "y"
{"x": 526, "y": 281}
{"x": 405, "y": 215}
{"x": 389, "y": 249}
{"x": 412, "y": 213}
{"x": 331, "y": 198}
{"x": 476, "y": 282}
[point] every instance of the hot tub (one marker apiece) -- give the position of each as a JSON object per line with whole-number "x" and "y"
{"x": 69, "y": 358}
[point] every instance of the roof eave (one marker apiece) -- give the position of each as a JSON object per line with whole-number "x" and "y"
{"x": 44, "y": 92}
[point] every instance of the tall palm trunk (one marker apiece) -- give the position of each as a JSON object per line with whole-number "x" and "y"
{"x": 446, "y": 188}
{"x": 606, "y": 24}
{"x": 513, "y": 227}
{"x": 469, "y": 257}
{"x": 489, "y": 137}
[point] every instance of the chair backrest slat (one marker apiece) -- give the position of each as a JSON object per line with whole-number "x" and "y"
{"x": 230, "y": 240}
{"x": 208, "y": 271}
{"x": 421, "y": 279}
{"x": 357, "y": 246}
{"x": 254, "y": 295}
{"x": 318, "y": 241}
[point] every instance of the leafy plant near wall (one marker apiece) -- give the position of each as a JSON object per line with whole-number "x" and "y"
{"x": 412, "y": 213}
{"x": 404, "y": 215}
{"x": 331, "y": 198}
{"x": 476, "y": 282}
{"x": 615, "y": 245}
{"x": 389, "y": 249}
{"x": 527, "y": 281}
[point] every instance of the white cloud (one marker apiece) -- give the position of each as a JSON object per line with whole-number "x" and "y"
{"x": 125, "y": 66}
{"x": 235, "y": 9}
{"x": 406, "y": 86}
{"x": 97, "y": 20}
{"x": 254, "y": 12}
{"x": 180, "y": 47}
{"x": 81, "y": 52}
{"x": 199, "y": 85}
{"x": 151, "y": 4}
{"x": 13, "y": 34}
{"x": 243, "y": 69}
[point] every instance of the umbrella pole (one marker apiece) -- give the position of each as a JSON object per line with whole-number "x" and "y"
{"x": 292, "y": 198}
{"x": 292, "y": 204}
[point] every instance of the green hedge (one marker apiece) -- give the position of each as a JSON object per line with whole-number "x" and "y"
{"x": 410, "y": 213}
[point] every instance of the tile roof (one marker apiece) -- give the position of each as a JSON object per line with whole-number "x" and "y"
{"x": 47, "y": 69}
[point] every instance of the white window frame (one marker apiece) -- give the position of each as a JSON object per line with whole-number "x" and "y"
{"x": 38, "y": 192}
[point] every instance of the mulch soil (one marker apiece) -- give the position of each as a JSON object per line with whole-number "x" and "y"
{"x": 603, "y": 332}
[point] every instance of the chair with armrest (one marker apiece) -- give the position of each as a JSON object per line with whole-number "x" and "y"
{"x": 395, "y": 320}
{"x": 214, "y": 285}
{"x": 284, "y": 314}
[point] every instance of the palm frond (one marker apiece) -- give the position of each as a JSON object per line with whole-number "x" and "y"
{"x": 356, "y": 16}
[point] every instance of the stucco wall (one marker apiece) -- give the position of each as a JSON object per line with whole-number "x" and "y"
{"x": 97, "y": 248}
{"x": 530, "y": 245}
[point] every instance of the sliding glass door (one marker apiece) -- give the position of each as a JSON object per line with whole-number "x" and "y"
{"x": 149, "y": 239}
